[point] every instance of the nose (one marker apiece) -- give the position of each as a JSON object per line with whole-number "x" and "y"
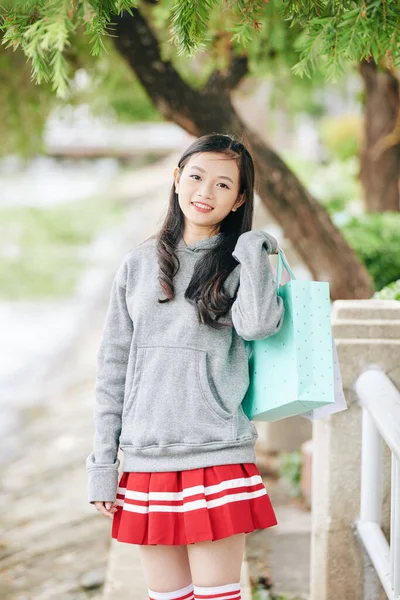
{"x": 204, "y": 192}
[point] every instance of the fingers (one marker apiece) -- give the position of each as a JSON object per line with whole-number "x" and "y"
{"x": 108, "y": 509}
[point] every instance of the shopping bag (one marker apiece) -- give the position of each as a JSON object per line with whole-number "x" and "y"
{"x": 291, "y": 372}
{"x": 340, "y": 399}
{"x": 340, "y": 402}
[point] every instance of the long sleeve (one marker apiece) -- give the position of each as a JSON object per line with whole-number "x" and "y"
{"x": 257, "y": 311}
{"x": 112, "y": 358}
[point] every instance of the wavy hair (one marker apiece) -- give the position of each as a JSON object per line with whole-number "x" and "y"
{"x": 205, "y": 289}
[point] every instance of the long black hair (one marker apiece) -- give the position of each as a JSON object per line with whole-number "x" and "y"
{"x": 205, "y": 289}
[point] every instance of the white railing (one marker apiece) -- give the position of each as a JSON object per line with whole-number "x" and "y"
{"x": 380, "y": 402}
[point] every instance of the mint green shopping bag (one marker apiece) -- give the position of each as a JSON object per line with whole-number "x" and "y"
{"x": 291, "y": 372}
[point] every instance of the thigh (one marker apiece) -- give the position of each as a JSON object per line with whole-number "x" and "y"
{"x": 218, "y": 562}
{"x": 166, "y": 568}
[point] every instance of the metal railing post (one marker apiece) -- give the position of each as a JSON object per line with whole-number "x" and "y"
{"x": 380, "y": 402}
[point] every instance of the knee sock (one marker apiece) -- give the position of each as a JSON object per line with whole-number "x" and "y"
{"x": 230, "y": 591}
{"x": 185, "y": 593}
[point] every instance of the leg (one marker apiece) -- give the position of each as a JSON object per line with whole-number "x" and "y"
{"x": 166, "y": 568}
{"x": 217, "y": 563}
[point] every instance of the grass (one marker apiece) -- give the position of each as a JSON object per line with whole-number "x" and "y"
{"x": 41, "y": 248}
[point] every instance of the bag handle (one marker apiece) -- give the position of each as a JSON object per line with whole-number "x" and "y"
{"x": 282, "y": 259}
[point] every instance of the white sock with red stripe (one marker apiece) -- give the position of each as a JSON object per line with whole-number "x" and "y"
{"x": 229, "y": 591}
{"x": 185, "y": 593}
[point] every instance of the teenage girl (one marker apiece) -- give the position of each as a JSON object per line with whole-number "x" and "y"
{"x": 172, "y": 371}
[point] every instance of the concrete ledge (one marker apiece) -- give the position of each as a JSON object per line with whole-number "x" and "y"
{"x": 366, "y": 309}
{"x": 367, "y": 328}
{"x": 339, "y": 566}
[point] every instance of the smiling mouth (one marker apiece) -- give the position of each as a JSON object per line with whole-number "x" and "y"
{"x": 202, "y": 205}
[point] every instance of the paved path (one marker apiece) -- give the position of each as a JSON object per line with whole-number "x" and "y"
{"x": 51, "y": 538}
{"x": 53, "y": 544}
{"x": 281, "y": 554}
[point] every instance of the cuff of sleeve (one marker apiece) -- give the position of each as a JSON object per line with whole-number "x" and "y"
{"x": 103, "y": 483}
{"x": 248, "y": 239}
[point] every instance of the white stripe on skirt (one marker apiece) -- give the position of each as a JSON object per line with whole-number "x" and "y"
{"x": 188, "y": 506}
{"x": 192, "y": 491}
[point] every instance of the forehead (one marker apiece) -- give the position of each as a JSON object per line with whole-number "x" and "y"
{"x": 215, "y": 163}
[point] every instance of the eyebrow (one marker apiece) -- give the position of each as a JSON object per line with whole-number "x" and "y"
{"x": 220, "y": 176}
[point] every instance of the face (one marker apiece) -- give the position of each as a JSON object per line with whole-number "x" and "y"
{"x": 210, "y": 179}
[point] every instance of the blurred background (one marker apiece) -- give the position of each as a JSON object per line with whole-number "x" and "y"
{"x": 94, "y": 118}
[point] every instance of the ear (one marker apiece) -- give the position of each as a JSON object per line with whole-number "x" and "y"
{"x": 241, "y": 200}
{"x": 176, "y": 178}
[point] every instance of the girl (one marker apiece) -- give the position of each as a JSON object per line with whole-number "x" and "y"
{"x": 172, "y": 371}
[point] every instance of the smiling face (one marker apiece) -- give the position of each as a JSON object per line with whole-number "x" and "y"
{"x": 208, "y": 178}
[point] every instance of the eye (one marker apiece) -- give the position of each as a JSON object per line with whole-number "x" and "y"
{"x": 227, "y": 187}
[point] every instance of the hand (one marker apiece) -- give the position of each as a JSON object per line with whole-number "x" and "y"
{"x": 106, "y": 508}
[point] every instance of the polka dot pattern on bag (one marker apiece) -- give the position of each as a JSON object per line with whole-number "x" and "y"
{"x": 297, "y": 360}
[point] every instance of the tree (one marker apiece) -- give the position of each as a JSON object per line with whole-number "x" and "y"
{"x": 380, "y": 156}
{"x": 45, "y": 31}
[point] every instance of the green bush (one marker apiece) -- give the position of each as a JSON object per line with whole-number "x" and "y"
{"x": 290, "y": 472}
{"x": 389, "y": 292}
{"x": 375, "y": 238}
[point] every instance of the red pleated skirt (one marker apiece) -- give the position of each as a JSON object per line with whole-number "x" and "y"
{"x": 184, "y": 507}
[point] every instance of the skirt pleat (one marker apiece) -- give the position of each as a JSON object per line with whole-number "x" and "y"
{"x": 185, "y": 507}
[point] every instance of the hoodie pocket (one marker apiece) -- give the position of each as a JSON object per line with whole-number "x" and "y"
{"x": 171, "y": 401}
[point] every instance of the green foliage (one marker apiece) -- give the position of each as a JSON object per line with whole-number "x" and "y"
{"x": 114, "y": 88}
{"x": 389, "y": 292}
{"x": 339, "y": 32}
{"x": 269, "y": 51}
{"x": 24, "y": 106}
{"x": 290, "y": 471}
{"x": 84, "y": 31}
{"x": 325, "y": 36}
{"x": 334, "y": 32}
{"x": 43, "y": 30}
{"x": 375, "y": 238}
{"x": 191, "y": 23}
{"x": 342, "y": 135}
{"x": 190, "y": 26}
{"x": 40, "y": 248}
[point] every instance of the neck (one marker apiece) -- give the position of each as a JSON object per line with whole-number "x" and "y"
{"x": 194, "y": 235}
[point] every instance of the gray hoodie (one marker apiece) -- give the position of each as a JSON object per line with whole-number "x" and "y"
{"x": 169, "y": 389}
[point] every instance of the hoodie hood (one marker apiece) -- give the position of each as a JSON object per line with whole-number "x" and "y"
{"x": 203, "y": 244}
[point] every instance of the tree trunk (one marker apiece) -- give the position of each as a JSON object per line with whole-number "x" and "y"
{"x": 380, "y": 154}
{"x": 303, "y": 220}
